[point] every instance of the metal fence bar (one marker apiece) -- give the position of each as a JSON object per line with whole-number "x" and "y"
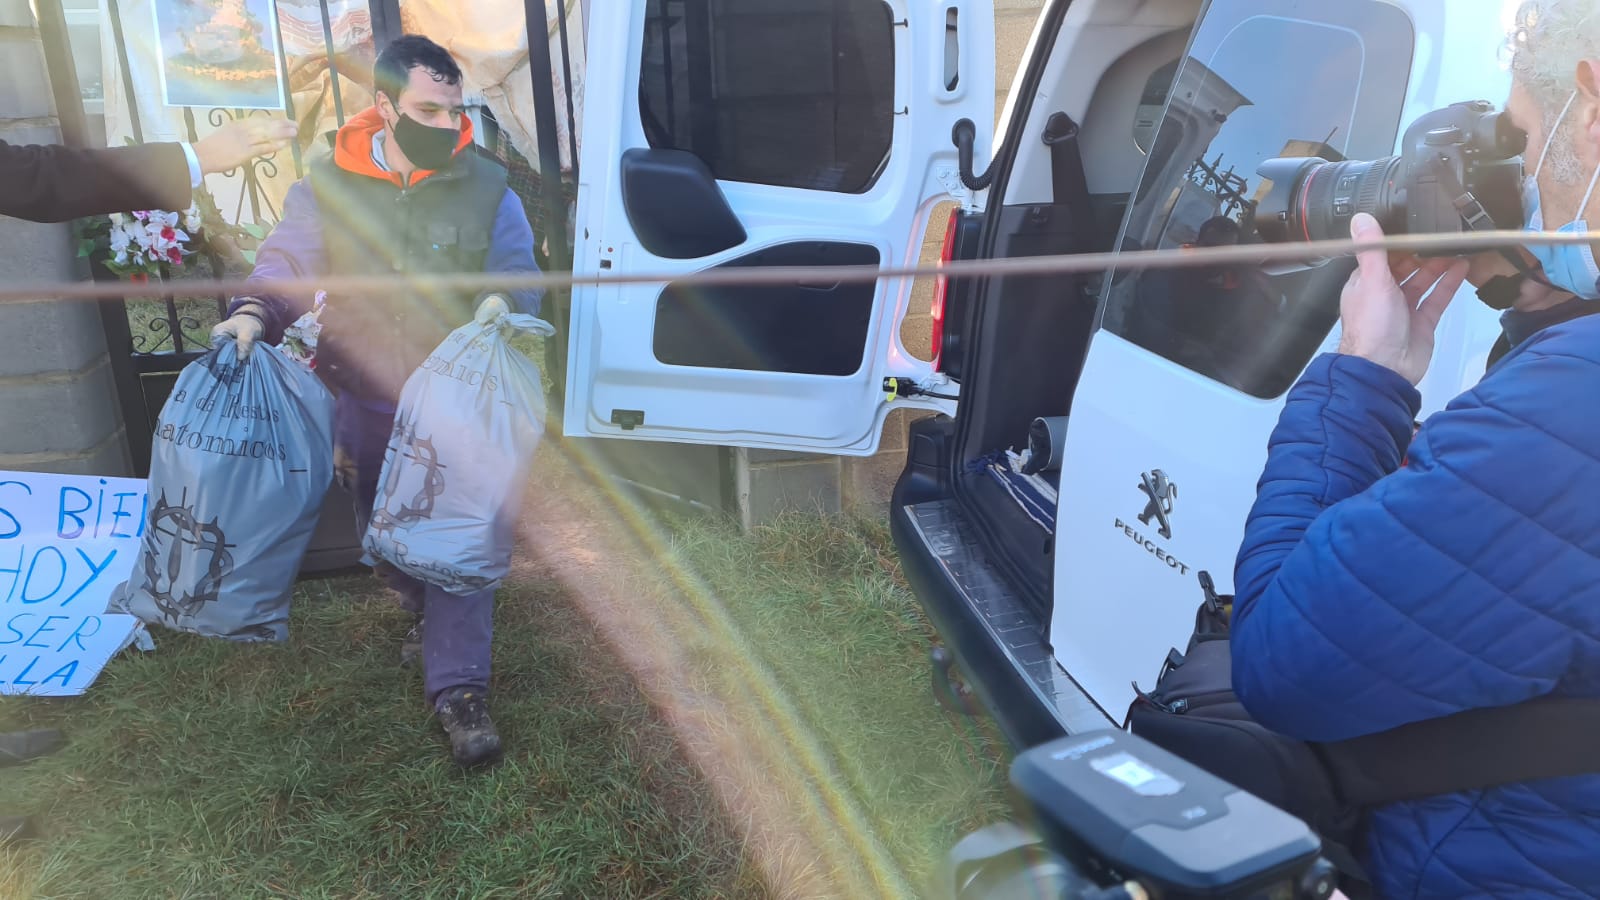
{"x": 566, "y": 74}
{"x": 288, "y": 98}
{"x": 333, "y": 63}
{"x": 125, "y": 71}
{"x": 63, "y": 74}
{"x": 206, "y": 250}
{"x": 174, "y": 325}
{"x": 385, "y": 22}
{"x": 491, "y": 129}
{"x": 75, "y": 133}
{"x": 550, "y": 189}
{"x": 136, "y": 418}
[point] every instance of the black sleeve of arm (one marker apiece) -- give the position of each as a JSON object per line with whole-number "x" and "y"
{"x": 52, "y": 183}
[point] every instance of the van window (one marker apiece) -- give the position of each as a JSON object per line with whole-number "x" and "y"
{"x": 1263, "y": 79}
{"x": 794, "y": 93}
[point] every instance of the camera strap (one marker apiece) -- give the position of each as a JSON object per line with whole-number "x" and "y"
{"x": 1502, "y": 291}
{"x": 1476, "y": 217}
{"x": 1551, "y": 737}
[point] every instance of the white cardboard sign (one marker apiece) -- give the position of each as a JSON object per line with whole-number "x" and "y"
{"x": 66, "y": 542}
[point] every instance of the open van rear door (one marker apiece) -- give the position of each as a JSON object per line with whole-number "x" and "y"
{"x": 746, "y": 134}
{"x": 1186, "y": 376}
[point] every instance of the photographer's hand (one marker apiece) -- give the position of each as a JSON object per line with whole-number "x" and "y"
{"x": 1387, "y": 310}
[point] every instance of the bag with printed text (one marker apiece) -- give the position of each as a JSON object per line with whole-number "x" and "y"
{"x": 240, "y": 462}
{"x": 464, "y": 435}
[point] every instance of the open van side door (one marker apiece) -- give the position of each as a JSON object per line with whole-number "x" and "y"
{"x": 748, "y": 134}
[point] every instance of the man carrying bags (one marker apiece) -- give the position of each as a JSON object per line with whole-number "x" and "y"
{"x": 403, "y": 194}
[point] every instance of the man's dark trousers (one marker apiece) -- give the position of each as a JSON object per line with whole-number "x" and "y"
{"x": 456, "y": 628}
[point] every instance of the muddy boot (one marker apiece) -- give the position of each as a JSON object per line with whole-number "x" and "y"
{"x": 465, "y": 716}
{"x": 18, "y": 747}
{"x": 411, "y": 646}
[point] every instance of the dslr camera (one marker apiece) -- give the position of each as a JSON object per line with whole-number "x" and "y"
{"x": 1111, "y": 815}
{"x": 1461, "y": 170}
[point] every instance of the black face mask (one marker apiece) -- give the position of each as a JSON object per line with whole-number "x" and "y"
{"x": 427, "y": 147}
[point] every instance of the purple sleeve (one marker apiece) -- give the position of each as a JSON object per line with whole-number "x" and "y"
{"x": 511, "y": 250}
{"x": 294, "y": 249}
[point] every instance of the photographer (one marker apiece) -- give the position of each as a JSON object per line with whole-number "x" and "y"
{"x": 1385, "y": 580}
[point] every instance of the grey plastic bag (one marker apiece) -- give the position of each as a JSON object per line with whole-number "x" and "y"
{"x": 241, "y": 460}
{"x": 464, "y": 435}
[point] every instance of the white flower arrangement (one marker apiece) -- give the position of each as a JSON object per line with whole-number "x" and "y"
{"x": 146, "y": 243}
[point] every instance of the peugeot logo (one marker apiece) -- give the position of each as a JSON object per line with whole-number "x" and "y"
{"x": 1161, "y": 491}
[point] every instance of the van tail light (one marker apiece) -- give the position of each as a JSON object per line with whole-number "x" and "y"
{"x": 941, "y": 289}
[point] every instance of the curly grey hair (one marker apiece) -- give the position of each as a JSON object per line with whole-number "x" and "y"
{"x": 1549, "y": 40}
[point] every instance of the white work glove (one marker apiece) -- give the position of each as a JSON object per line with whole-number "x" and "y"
{"x": 490, "y": 308}
{"x": 244, "y": 328}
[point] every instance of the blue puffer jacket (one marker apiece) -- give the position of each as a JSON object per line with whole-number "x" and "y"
{"x": 1370, "y": 595}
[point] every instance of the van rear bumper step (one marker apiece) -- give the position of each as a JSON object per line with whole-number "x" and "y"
{"x": 998, "y": 642}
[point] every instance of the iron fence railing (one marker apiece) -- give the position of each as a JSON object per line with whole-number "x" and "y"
{"x": 152, "y": 338}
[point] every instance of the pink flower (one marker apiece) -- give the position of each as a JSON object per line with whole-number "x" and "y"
{"x": 168, "y": 233}
{"x": 174, "y": 255}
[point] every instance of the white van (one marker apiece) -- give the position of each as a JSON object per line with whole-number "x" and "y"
{"x": 725, "y": 134}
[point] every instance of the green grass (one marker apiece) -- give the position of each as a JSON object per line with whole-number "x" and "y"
{"x": 823, "y": 605}
{"x": 312, "y": 770}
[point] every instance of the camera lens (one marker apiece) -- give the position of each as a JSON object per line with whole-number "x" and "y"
{"x": 1314, "y": 200}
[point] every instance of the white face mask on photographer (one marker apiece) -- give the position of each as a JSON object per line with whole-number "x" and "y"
{"x": 1571, "y": 267}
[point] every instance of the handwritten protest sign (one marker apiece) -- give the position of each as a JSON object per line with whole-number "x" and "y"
{"x": 66, "y": 541}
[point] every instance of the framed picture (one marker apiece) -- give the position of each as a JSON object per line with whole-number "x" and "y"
{"x": 219, "y": 53}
